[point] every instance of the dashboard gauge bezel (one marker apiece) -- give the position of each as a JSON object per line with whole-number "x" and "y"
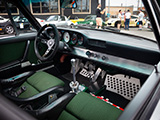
{"x": 74, "y": 39}
{"x": 80, "y": 40}
{"x": 64, "y": 37}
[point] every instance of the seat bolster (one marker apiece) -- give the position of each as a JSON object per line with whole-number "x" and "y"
{"x": 42, "y": 81}
{"x": 16, "y": 80}
{"x": 54, "y": 109}
{"x": 52, "y": 90}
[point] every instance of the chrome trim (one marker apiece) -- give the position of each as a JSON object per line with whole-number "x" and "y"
{"x": 115, "y": 61}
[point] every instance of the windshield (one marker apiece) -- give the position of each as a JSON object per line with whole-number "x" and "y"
{"x": 90, "y": 17}
{"x": 122, "y": 16}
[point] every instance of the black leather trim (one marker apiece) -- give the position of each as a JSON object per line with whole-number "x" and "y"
{"x": 6, "y": 66}
{"x": 15, "y": 80}
{"x": 56, "y": 89}
{"x": 53, "y": 110}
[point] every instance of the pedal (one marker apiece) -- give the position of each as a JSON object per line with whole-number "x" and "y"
{"x": 86, "y": 73}
{"x": 96, "y": 74}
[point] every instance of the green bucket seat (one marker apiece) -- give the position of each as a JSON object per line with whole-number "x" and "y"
{"x": 36, "y": 86}
{"x": 82, "y": 106}
{"x": 38, "y": 83}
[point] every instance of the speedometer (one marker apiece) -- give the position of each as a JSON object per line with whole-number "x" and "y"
{"x": 66, "y": 37}
{"x": 74, "y": 39}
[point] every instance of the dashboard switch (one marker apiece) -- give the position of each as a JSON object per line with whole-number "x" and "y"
{"x": 88, "y": 53}
{"x": 104, "y": 58}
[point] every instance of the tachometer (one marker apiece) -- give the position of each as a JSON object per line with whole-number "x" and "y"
{"x": 74, "y": 39}
{"x": 66, "y": 37}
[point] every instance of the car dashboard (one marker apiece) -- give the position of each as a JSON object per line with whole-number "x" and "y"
{"x": 116, "y": 50}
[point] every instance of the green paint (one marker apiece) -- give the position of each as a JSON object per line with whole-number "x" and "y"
{"x": 11, "y": 52}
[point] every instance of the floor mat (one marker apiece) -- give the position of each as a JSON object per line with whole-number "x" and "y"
{"x": 114, "y": 98}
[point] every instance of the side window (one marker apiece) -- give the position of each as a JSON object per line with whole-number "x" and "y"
{"x": 88, "y": 18}
{"x": 19, "y": 25}
{"x": 83, "y": 7}
{"x": 132, "y": 17}
{"x": 62, "y": 18}
{"x": 2, "y": 8}
{"x": 45, "y": 7}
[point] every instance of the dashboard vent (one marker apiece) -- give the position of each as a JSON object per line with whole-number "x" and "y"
{"x": 97, "y": 43}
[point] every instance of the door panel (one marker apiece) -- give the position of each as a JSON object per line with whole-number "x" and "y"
{"x": 11, "y": 52}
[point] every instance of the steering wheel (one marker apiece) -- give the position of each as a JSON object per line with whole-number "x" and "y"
{"x": 50, "y": 41}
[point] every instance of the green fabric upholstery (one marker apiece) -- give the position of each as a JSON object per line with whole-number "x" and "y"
{"x": 39, "y": 82}
{"x": 86, "y": 107}
{"x": 66, "y": 116}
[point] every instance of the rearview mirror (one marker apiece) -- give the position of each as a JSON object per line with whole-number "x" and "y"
{"x": 68, "y": 4}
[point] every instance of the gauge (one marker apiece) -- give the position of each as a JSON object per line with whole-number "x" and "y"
{"x": 80, "y": 40}
{"x": 66, "y": 37}
{"x": 74, "y": 39}
{"x": 60, "y": 35}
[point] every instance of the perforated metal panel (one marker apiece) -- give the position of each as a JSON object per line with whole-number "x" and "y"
{"x": 123, "y": 85}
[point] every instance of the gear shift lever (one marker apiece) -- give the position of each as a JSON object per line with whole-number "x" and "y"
{"x": 74, "y": 84}
{"x": 73, "y": 63}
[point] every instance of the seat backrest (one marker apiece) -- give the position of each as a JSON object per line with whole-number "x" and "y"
{"x": 86, "y": 107}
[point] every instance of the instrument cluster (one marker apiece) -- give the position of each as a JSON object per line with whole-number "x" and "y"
{"x": 71, "y": 38}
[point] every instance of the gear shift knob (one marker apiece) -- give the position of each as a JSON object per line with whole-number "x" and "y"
{"x": 73, "y": 62}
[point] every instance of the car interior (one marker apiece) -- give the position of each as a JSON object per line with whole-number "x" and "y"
{"x": 74, "y": 74}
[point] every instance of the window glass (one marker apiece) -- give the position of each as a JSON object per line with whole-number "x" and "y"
{"x": 2, "y": 7}
{"x": 52, "y": 18}
{"x": 36, "y": 6}
{"x": 20, "y": 24}
{"x": 62, "y": 18}
{"x": 45, "y": 6}
{"x": 82, "y": 6}
{"x": 13, "y": 8}
{"x": 133, "y": 17}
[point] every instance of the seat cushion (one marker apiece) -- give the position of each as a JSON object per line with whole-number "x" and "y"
{"x": 39, "y": 82}
{"x": 86, "y": 107}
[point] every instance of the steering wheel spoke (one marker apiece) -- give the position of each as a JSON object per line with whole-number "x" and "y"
{"x": 46, "y": 53}
{"x": 47, "y": 39}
